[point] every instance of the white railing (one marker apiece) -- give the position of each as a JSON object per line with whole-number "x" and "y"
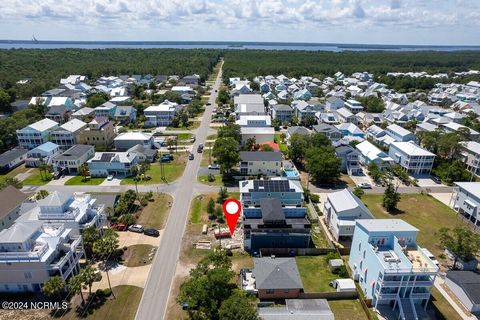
{"x": 27, "y": 255}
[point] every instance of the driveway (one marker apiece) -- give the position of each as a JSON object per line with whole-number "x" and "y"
{"x": 426, "y": 182}
{"x": 445, "y": 198}
{"x": 361, "y": 178}
{"x": 114, "y": 182}
{"x": 59, "y": 182}
{"x": 127, "y": 238}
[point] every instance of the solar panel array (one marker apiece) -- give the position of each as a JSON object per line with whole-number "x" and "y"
{"x": 272, "y": 186}
{"x": 106, "y": 157}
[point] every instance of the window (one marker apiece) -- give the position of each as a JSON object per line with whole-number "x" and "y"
{"x": 359, "y": 246}
{"x": 27, "y": 275}
{"x": 364, "y": 253}
{"x": 270, "y": 291}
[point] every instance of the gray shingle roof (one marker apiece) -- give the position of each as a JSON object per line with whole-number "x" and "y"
{"x": 282, "y": 107}
{"x": 74, "y": 152}
{"x": 271, "y": 209}
{"x": 298, "y": 130}
{"x": 469, "y": 281}
{"x": 10, "y": 198}
{"x": 10, "y": 155}
{"x": 20, "y": 232}
{"x": 261, "y": 156}
{"x": 276, "y": 273}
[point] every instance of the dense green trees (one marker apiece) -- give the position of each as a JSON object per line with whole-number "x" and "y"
{"x": 209, "y": 292}
{"x": 250, "y": 63}
{"x": 463, "y": 243}
{"x": 226, "y": 151}
{"x": 372, "y": 104}
{"x": 46, "y": 67}
{"x": 96, "y": 99}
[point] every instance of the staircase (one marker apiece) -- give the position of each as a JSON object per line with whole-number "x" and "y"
{"x": 407, "y": 310}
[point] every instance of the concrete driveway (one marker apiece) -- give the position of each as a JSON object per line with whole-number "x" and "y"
{"x": 362, "y": 178}
{"x": 59, "y": 182}
{"x": 114, "y": 182}
{"x": 426, "y": 182}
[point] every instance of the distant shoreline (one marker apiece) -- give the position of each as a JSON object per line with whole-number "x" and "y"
{"x": 231, "y": 45}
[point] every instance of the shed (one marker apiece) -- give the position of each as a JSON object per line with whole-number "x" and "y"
{"x": 344, "y": 285}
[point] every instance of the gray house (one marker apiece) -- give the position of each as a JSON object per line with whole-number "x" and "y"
{"x": 466, "y": 201}
{"x": 350, "y": 159}
{"x": 330, "y": 131}
{"x": 71, "y": 160}
{"x": 282, "y": 112}
{"x": 466, "y": 287}
{"x": 12, "y": 158}
{"x": 277, "y": 278}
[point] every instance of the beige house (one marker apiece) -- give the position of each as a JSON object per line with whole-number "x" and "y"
{"x": 99, "y": 133}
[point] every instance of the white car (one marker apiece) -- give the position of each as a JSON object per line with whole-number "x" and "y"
{"x": 213, "y": 166}
{"x": 109, "y": 178}
{"x": 365, "y": 185}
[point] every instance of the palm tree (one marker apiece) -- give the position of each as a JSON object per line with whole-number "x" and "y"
{"x": 104, "y": 248}
{"x": 75, "y": 285}
{"x": 54, "y": 286}
{"x": 89, "y": 275}
{"x": 84, "y": 171}
{"x": 42, "y": 194}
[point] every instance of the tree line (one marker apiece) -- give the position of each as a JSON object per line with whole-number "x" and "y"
{"x": 44, "y": 68}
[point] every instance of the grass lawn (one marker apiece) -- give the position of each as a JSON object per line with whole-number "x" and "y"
{"x": 191, "y": 125}
{"x": 184, "y": 136}
{"x": 199, "y": 207}
{"x": 77, "y": 181}
{"x": 204, "y": 179}
{"x": 347, "y": 309}
{"x": 173, "y": 170}
{"x": 155, "y": 214}
{"x": 14, "y": 172}
{"x": 125, "y": 304}
{"x": 212, "y": 137}
{"x": 137, "y": 255}
{"x": 345, "y": 178}
{"x": 319, "y": 238}
{"x": 206, "y": 157}
{"x": 423, "y": 212}
{"x": 283, "y": 147}
{"x": 439, "y": 304}
{"x": 315, "y": 273}
{"x": 35, "y": 179}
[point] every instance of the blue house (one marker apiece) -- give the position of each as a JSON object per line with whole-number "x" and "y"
{"x": 390, "y": 267}
{"x": 264, "y": 87}
{"x": 350, "y": 129}
{"x": 274, "y": 226}
{"x": 107, "y": 109}
{"x": 303, "y": 94}
{"x": 289, "y": 192}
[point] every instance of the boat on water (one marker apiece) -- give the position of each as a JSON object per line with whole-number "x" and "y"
{"x": 34, "y": 39}
{"x": 235, "y": 45}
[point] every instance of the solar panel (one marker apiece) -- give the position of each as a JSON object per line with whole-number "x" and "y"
{"x": 106, "y": 157}
{"x": 272, "y": 186}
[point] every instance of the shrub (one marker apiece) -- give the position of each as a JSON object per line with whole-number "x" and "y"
{"x": 211, "y": 177}
{"x": 341, "y": 272}
{"x": 314, "y": 198}
{"x": 332, "y": 255}
{"x": 107, "y": 292}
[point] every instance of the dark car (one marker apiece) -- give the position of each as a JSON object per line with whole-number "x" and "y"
{"x": 191, "y": 156}
{"x": 151, "y": 232}
{"x": 436, "y": 179}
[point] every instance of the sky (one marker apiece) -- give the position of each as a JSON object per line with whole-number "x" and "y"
{"x": 421, "y": 22}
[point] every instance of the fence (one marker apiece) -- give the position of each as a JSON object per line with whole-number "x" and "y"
{"x": 291, "y": 252}
{"x": 329, "y": 295}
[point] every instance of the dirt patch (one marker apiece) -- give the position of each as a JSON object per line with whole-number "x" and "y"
{"x": 138, "y": 255}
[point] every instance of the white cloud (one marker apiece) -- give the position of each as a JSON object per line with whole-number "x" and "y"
{"x": 252, "y": 16}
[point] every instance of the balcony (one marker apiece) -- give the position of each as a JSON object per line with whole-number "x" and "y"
{"x": 25, "y": 255}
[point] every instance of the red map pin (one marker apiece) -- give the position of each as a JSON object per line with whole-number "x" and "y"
{"x": 231, "y": 211}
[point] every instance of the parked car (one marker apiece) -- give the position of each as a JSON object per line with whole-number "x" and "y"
{"x": 365, "y": 185}
{"x": 57, "y": 175}
{"x": 209, "y": 104}
{"x": 436, "y": 179}
{"x": 191, "y": 156}
{"x": 192, "y": 140}
{"x": 110, "y": 177}
{"x": 151, "y": 232}
{"x": 138, "y": 228}
{"x": 200, "y": 148}
{"x": 165, "y": 159}
{"x": 214, "y": 166}
{"x": 119, "y": 226}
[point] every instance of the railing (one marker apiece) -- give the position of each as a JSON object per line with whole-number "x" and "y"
{"x": 28, "y": 255}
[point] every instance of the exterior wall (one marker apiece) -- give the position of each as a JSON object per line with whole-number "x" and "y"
{"x": 66, "y": 139}
{"x": 400, "y": 138}
{"x": 164, "y": 118}
{"x": 124, "y": 145}
{"x": 464, "y": 208}
{"x": 276, "y": 238}
{"x": 460, "y": 294}
{"x": 10, "y": 218}
{"x": 260, "y": 167}
{"x": 282, "y": 115}
{"x": 286, "y": 198}
{"x": 411, "y": 164}
{"x": 278, "y": 294}
{"x": 72, "y": 166}
{"x": 98, "y": 138}
{"x": 14, "y": 163}
{"x": 29, "y": 138}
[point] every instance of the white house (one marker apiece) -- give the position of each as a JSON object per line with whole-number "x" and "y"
{"x": 36, "y": 133}
{"x": 254, "y": 121}
{"x": 371, "y": 154}
{"x": 32, "y": 252}
{"x": 162, "y": 114}
{"x": 344, "y": 115}
{"x": 126, "y": 140}
{"x": 353, "y": 106}
{"x": 341, "y": 210}
{"x": 261, "y": 162}
{"x": 68, "y": 134}
{"x": 411, "y": 157}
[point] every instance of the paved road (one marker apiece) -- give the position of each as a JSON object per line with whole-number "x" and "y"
{"x": 379, "y": 190}
{"x": 157, "y": 289}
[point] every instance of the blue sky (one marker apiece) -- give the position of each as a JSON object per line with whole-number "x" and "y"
{"x": 441, "y": 22}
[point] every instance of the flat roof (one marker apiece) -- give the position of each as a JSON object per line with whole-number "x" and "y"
{"x": 381, "y": 225}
